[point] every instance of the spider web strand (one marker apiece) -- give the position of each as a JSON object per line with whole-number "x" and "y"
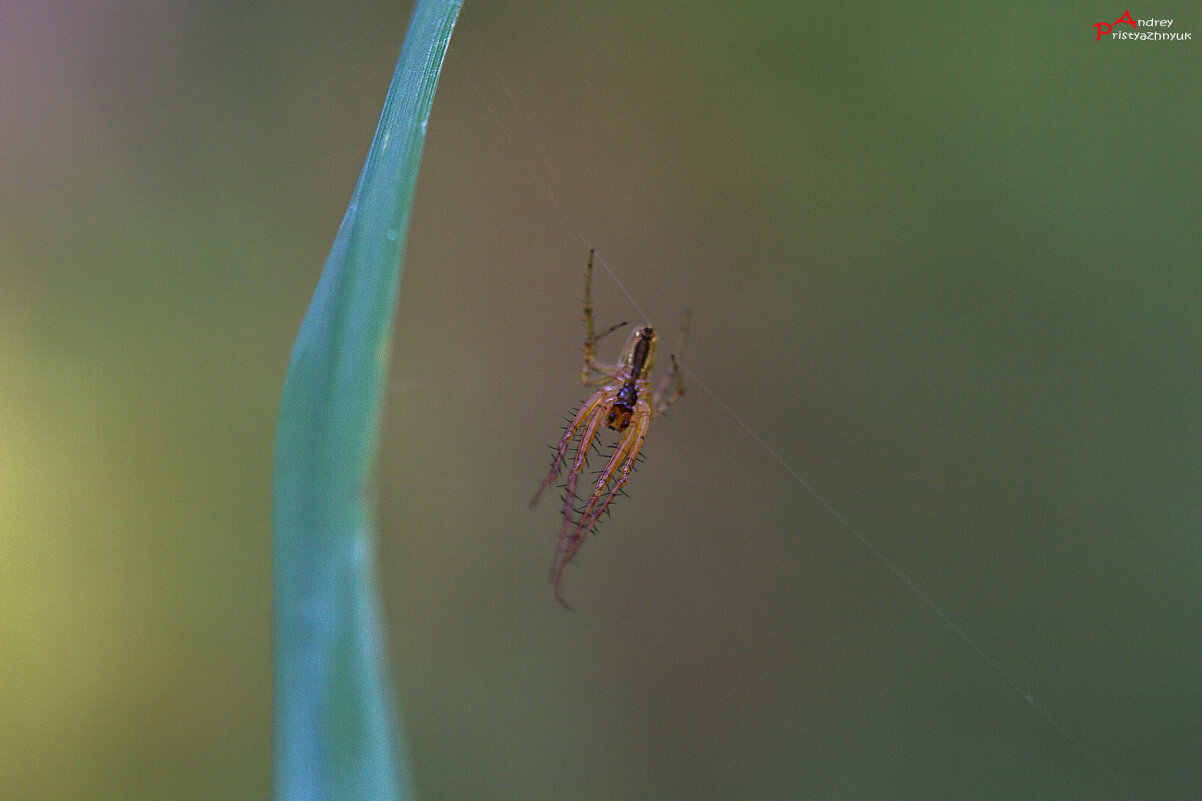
{"x": 1009, "y": 678}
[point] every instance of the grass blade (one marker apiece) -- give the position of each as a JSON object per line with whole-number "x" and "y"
{"x": 336, "y": 734}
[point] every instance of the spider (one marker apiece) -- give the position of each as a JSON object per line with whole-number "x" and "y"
{"x": 624, "y": 403}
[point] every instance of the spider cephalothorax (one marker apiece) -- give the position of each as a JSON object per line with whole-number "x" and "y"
{"x": 625, "y": 403}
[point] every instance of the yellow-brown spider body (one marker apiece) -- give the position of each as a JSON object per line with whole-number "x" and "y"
{"x": 625, "y": 403}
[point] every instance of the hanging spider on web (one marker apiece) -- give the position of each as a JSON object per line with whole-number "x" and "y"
{"x": 624, "y": 403}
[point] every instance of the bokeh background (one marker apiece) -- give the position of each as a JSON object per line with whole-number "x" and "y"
{"x": 943, "y": 259}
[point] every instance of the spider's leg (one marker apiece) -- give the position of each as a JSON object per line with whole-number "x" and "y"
{"x": 587, "y": 436}
{"x": 589, "y": 408}
{"x": 616, "y": 471}
{"x": 605, "y": 373}
{"x": 591, "y": 365}
{"x": 588, "y": 299}
{"x": 662, "y": 403}
{"x": 590, "y": 343}
{"x": 620, "y": 466}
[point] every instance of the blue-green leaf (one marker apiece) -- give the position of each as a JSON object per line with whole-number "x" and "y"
{"x": 336, "y": 729}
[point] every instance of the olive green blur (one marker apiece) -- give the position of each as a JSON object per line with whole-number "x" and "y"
{"x": 942, "y": 258}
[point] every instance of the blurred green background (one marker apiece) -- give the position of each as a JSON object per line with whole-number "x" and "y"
{"x": 944, "y": 259}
